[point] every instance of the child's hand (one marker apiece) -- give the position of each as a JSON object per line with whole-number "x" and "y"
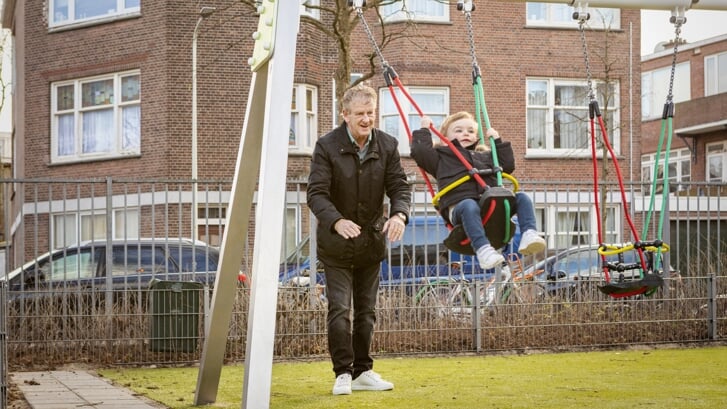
{"x": 492, "y": 132}
{"x": 426, "y": 122}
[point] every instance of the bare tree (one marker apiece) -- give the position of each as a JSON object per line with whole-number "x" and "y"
{"x": 339, "y": 22}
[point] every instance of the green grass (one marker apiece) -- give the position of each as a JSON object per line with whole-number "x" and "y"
{"x": 660, "y": 378}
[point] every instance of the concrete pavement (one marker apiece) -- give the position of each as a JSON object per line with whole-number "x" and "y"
{"x": 76, "y": 389}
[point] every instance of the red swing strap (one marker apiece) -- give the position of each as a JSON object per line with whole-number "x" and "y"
{"x": 620, "y": 288}
{"x": 392, "y": 79}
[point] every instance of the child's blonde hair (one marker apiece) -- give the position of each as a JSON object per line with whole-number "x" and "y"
{"x": 456, "y": 117}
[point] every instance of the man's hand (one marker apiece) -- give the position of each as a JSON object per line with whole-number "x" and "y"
{"x": 394, "y": 228}
{"x": 347, "y": 229}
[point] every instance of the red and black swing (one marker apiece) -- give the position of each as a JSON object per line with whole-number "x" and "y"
{"x": 497, "y": 203}
{"x": 649, "y": 263}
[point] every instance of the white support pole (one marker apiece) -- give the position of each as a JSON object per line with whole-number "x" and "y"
{"x": 270, "y": 214}
{"x": 263, "y": 150}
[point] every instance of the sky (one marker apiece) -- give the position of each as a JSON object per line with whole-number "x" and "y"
{"x": 701, "y": 24}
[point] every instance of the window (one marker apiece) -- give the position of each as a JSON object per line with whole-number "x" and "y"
{"x": 557, "y": 116}
{"x": 303, "y": 117}
{"x": 96, "y": 118}
{"x": 717, "y": 162}
{"x": 715, "y": 74}
{"x": 417, "y": 10}
{"x": 65, "y": 12}
{"x": 310, "y": 8}
{"x": 575, "y": 226}
{"x": 571, "y": 227}
{"x": 211, "y": 220}
{"x": 679, "y": 170}
{"x": 291, "y": 231}
{"x": 434, "y": 102}
{"x": 67, "y": 230}
{"x": 561, "y": 15}
{"x": 655, "y": 86}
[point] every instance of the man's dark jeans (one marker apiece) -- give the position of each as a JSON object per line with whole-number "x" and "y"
{"x": 350, "y": 349}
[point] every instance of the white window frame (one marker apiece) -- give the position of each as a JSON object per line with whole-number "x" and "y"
{"x": 717, "y": 152}
{"x": 291, "y": 230}
{"x": 423, "y": 11}
{"x": 680, "y": 162}
{"x": 115, "y": 104}
{"x": 560, "y": 239}
{"x": 303, "y": 118}
{"x": 309, "y": 8}
{"x": 655, "y": 86}
{"x": 410, "y": 112}
{"x": 560, "y": 16}
{"x": 68, "y": 228}
{"x": 56, "y": 20}
{"x": 713, "y": 82}
{"x": 212, "y": 214}
{"x": 611, "y": 115}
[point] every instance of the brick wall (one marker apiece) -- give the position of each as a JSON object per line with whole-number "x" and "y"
{"x": 159, "y": 44}
{"x": 699, "y": 110}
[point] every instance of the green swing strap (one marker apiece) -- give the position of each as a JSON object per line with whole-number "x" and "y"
{"x": 665, "y": 133}
{"x": 497, "y": 204}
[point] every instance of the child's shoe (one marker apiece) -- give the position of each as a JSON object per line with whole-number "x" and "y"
{"x": 531, "y": 243}
{"x": 489, "y": 257}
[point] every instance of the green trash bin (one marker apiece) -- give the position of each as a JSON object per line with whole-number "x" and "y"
{"x": 174, "y": 315}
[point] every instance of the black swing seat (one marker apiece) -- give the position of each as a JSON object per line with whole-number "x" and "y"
{"x": 495, "y": 226}
{"x": 623, "y": 288}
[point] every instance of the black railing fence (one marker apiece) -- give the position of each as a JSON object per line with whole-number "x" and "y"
{"x": 129, "y": 304}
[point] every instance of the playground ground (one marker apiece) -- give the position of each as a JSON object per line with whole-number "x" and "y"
{"x": 679, "y": 377}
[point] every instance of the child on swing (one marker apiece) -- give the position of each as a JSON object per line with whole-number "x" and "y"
{"x": 461, "y": 204}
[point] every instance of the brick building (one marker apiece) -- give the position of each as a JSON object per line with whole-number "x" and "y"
{"x": 104, "y": 90}
{"x": 699, "y": 148}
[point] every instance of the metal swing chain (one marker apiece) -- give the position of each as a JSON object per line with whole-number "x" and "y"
{"x": 677, "y": 30}
{"x": 582, "y": 17}
{"x": 370, "y": 35}
{"x": 471, "y": 34}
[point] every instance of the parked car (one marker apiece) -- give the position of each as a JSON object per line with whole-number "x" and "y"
{"x": 419, "y": 255}
{"x": 134, "y": 264}
{"x": 566, "y": 271}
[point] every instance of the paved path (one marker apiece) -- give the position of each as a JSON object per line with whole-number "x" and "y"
{"x": 75, "y": 389}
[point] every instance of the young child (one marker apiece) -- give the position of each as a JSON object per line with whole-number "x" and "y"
{"x": 461, "y": 204}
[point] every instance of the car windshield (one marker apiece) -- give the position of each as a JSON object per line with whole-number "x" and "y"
{"x": 583, "y": 261}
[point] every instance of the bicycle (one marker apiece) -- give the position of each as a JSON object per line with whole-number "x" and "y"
{"x": 514, "y": 286}
{"x": 454, "y": 297}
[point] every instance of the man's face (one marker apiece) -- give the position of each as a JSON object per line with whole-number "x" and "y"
{"x": 360, "y": 117}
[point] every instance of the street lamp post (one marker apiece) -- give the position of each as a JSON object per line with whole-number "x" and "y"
{"x": 204, "y": 12}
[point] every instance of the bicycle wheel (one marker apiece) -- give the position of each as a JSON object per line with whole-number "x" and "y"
{"x": 432, "y": 300}
{"x": 443, "y": 300}
{"x": 527, "y": 293}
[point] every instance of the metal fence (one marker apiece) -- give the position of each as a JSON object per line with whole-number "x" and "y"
{"x": 3, "y": 347}
{"x": 165, "y": 323}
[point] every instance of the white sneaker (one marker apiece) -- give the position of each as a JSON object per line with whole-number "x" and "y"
{"x": 371, "y": 381}
{"x": 489, "y": 257}
{"x": 531, "y": 243}
{"x": 342, "y": 385}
